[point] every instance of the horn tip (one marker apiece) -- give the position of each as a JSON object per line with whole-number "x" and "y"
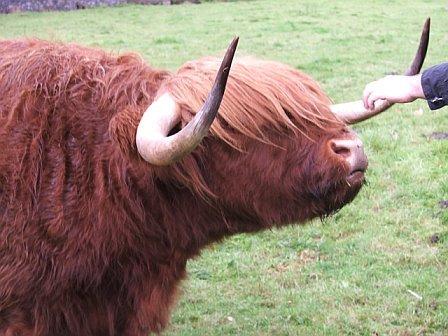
{"x": 232, "y": 48}
{"x": 427, "y": 24}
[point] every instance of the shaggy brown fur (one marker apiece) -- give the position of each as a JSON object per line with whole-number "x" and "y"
{"x": 94, "y": 241}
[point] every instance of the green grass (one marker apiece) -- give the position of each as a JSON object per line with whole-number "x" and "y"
{"x": 354, "y": 273}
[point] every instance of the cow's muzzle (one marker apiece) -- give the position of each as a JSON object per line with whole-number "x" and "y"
{"x": 352, "y": 151}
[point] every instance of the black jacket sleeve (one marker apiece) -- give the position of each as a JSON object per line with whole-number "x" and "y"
{"x": 435, "y": 86}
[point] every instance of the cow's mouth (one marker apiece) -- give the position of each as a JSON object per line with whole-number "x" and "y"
{"x": 348, "y": 191}
{"x": 356, "y": 176}
{"x": 342, "y": 192}
{"x": 359, "y": 164}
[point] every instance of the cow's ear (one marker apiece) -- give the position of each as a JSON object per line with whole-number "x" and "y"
{"x": 122, "y": 130}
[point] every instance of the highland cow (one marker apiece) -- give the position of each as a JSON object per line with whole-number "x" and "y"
{"x": 110, "y": 181}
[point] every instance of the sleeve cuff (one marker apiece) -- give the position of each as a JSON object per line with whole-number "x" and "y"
{"x": 435, "y": 86}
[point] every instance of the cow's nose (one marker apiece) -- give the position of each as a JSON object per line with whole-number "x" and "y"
{"x": 352, "y": 150}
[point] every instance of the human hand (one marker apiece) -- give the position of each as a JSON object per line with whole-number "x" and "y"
{"x": 395, "y": 89}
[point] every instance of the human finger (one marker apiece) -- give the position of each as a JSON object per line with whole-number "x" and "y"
{"x": 368, "y": 90}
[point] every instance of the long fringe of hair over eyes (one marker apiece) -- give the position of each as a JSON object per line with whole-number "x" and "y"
{"x": 260, "y": 95}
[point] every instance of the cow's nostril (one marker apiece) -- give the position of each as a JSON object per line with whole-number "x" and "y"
{"x": 340, "y": 148}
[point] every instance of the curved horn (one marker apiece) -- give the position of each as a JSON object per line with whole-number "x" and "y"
{"x": 162, "y": 115}
{"x": 354, "y": 112}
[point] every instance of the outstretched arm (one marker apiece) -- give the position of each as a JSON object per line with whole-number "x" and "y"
{"x": 395, "y": 89}
{"x": 432, "y": 85}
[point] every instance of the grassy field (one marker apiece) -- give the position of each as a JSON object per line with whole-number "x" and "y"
{"x": 379, "y": 266}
